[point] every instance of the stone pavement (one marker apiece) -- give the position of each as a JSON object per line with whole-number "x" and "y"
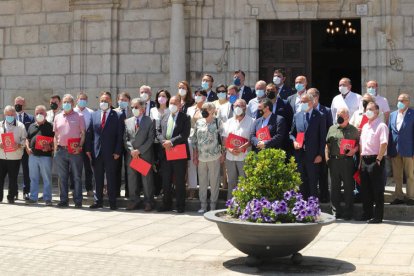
{"x": 39, "y": 240}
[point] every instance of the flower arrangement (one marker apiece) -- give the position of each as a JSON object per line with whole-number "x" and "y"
{"x": 269, "y": 192}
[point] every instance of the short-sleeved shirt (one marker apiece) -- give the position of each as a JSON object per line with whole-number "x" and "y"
{"x": 373, "y": 134}
{"x": 68, "y": 126}
{"x": 240, "y": 128}
{"x": 336, "y": 134}
{"x": 45, "y": 129}
{"x": 351, "y": 102}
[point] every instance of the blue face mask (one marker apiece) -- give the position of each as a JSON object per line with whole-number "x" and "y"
{"x": 66, "y": 106}
{"x": 204, "y": 85}
{"x": 233, "y": 99}
{"x": 400, "y": 105}
{"x": 299, "y": 87}
{"x": 82, "y": 103}
{"x": 372, "y": 91}
{"x": 260, "y": 93}
{"x": 10, "y": 119}
{"x": 237, "y": 81}
{"x": 123, "y": 105}
{"x": 222, "y": 95}
{"x": 304, "y": 107}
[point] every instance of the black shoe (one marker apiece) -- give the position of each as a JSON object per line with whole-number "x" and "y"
{"x": 10, "y": 200}
{"x": 78, "y": 205}
{"x": 375, "y": 221}
{"x": 178, "y": 210}
{"x": 163, "y": 209}
{"x": 95, "y": 206}
{"x": 347, "y": 217}
{"x": 397, "y": 201}
{"x": 62, "y": 204}
{"x": 113, "y": 207}
{"x": 26, "y": 197}
{"x": 365, "y": 218}
{"x": 410, "y": 202}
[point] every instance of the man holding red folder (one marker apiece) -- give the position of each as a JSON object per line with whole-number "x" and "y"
{"x": 138, "y": 140}
{"x": 173, "y": 130}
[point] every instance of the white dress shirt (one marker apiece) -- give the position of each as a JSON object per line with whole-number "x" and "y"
{"x": 242, "y": 129}
{"x": 351, "y": 101}
{"x": 87, "y": 113}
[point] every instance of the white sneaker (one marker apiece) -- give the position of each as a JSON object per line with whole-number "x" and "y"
{"x": 201, "y": 211}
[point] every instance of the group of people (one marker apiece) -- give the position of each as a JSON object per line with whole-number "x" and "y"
{"x": 200, "y": 139}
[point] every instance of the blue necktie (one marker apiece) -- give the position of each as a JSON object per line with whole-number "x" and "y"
{"x": 307, "y": 117}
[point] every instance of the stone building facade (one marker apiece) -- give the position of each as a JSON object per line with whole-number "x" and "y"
{"x": 63, "y": 46}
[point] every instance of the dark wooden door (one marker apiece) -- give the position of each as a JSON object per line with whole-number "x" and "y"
{"x": 286, "y": 45}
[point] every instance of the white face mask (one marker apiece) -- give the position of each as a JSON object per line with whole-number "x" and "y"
{"x": 136, "y": 112}
{"x": 182, "y": 92}
{"x": 144, "y": 97}
{"x": 173, "y": 108}
{"x": 343, "y": 90}
{"x": 103, "y": 106}
{"x": 198, "y": 99}
{"x": 40, "y": 118}
{"x": 370, "y": 114}
{"x": 238, "y": 111}
{"x": 277, "y": 80}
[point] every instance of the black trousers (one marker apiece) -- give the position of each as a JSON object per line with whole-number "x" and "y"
{"x": 10, "y": 168}
{"x": 101, "y": 167}
{"x": 157, "y": 174}
{"x": 309, "y": 173}
{"x": 26, "y": 175}
{"x": 323, "y": 181}
{"x": 122, "y": 164}
{"x": 176, "y": 168}
{"x": 372, "y": 187}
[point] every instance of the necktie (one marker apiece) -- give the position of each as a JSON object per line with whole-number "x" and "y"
{"x": 20, "y": 118}
{"x": 307, "y": 117}
{"x": 170, "y": 127}
{"x": 137, "y": 124}
{"x": 103, "y": 120}
{"x": 124, "y": 113}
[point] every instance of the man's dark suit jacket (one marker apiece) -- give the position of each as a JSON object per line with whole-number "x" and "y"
{"x": 277, "y": 129}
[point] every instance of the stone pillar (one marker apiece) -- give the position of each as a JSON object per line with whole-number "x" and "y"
{"x": 177, "y": 45}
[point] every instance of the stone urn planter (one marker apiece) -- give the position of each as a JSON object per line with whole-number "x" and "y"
{"x": 261, "y": 241}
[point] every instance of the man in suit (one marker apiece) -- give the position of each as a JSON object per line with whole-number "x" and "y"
{"x": 279, "y": 78}
{"x": 323, "y": 172}
{"x": 294, "y": 100}
{"x": 174, "y": 130}
{"x": 207, "y": 85}
{"x": 138, "y": 139}
{"x": 104, "y": 143}
{"x": 124, "y": 112}
{"x": 276, "y": 125}
{"x": 401, "y": 148}
{"x": 245, "y": 92}
{"x": 27, "y": 120}
{"x": 309, "y": 155}
{"x": 145, "y": 95}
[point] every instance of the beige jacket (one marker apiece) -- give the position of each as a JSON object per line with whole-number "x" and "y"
{"x": 19, "y": 132}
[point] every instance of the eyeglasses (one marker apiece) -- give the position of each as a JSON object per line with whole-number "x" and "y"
{"x": 221, "y": 91}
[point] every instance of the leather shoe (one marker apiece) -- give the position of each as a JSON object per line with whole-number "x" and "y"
{"x": 78, "y": 205}
{"x": 375, "y": 220}
{"x": 410, "y": 201}
{"x": 62, "y": 204}
{"x": 178, "y": 210}
{"x": 10, "y": 200}
{"x": 95, "y": 206}
{"x": 148, "y": 207}
{"x": 397, "y": 201}
{"x": 26, "y": 197}
{"x": 132, "y": 206}
{"x": 365, "y": 218}
{"x": 113, "y": 207}
{"x": 164, "y": 209}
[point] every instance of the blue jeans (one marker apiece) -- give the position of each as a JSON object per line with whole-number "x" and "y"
{"x": 40, "y": 166}
{"x": 66, "y": 164}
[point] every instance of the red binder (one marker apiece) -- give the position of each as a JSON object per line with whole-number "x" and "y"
{"x": 235, "y": 141}
{"x": 357, "y": 177}
{"x": 42, "y": 140}
{"x": 140, "y": 165}
{"x": 263, "y": 134}
{"x": 364, "y": 120}
{"x": 73, "y": 144}
{"x": 177, "y": 152}
{"x": 346, "y": 144}
{"x": 300, "y": 137}
{"x": 8, "y": 142}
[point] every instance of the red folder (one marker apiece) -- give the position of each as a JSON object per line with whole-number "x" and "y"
{"x": 300, "y": 137}
{"x": 346, "y": 144}
{"x": 177, "y": 152}
{"x": 364, "y": 120}
{"x": 263, "y": 134}
{"x": 8, "y": 142}
{"x": 140, "y": 165}
{"x": 235, "y": 141}
{"x": 357, "y": 177}
{"x": 73, "y": 144}
{"x": 42, "y": 140}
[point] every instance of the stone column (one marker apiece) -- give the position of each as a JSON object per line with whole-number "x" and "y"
{"x": 177, "y": 45}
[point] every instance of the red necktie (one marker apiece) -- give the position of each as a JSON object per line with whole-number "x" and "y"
{"x": 103, "y": 120}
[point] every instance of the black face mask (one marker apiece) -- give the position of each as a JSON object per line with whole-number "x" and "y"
{"x": 204, "y": 113}
{"x": 364, "y": 104}
{"x": 271, "y": 95}
{"x": 18, "y": 107}
{"x": 53, "y": 106}
{"x": 260, "y": 112}
{"x": 340, "y": 120}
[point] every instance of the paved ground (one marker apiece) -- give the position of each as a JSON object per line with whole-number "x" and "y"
{"x": 38, "y": 240}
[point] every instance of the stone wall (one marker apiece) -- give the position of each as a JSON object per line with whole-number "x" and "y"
{"x": 61, "y": 46}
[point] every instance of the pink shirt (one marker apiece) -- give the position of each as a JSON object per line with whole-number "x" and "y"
{"x": 68, "y": 126}
{"x": 373, "y": 134}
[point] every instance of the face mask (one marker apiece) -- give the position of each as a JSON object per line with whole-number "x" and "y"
{"x": 67, "y": 106}
{"x": 233, "y": 99}
{"x": 340, "y": 120}
{"x": 299, "y": 87}
{"x": 82, "y": 103}
{"x": 277, "y": 80}
{"x": 10, "y": 119}
{"x": 205, "y": 113}
{"x": 122, "y": 104}
{"x": 237, "y": 81}
{"x": 364, "y": 104}
{"x": 198, "y": 99}
{"x": 162, "y": 100}
{"x": 343, "y": 90}
{"x": 260, "y": 112}
{"x": 18, "y": 107}
{"x": 144, "y": 97}
{"x": 53, "y": 106}
{"x": 271, "y": 95}
{"x": 222, "y": 95}
{"x": 103, "y": 106}
{"x": 260, "y": 93}
{"x": 40, "y": 118}
{"x": 372, "y": 91}
{"x": 173, "y": 108}
{"x": 304, "y": 107}
{"x": 182, "y": 92}
{"x": 400, "y": 106}
{"x": 238, "y": 111}
{"x": 370, "y": 114}
{"x": 136, "y": 112}
{"x": 204, "y": 85}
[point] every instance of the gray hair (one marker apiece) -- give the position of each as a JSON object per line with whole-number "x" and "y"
{"x": 9, "y": 108}
{"x": 19, "y": 98}
{"x": 145, "y": 87}
{"x": 309, "y": 96}
{"x": 209, "y": 106}
{"x": 343, "y": 110}
{"x": 40, "y": 107}
{"x": 138, "y": 101}
{"x": 261, "y": 83}
{"x": 70, "y": 97}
